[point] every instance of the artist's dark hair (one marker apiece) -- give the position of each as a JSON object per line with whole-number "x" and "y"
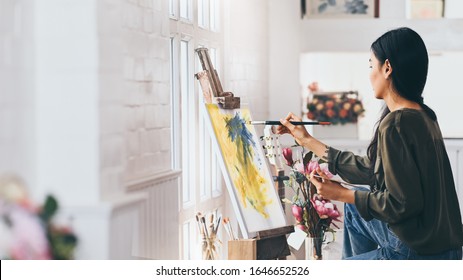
{"x": 408, "y": 57}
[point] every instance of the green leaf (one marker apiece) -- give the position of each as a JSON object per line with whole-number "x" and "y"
{"x": 307, "y": 158}
{"x": 49, "y": 208}
{"x": 300, "y": 178}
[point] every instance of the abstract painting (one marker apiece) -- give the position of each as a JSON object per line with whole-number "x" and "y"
{"x": 245, "y": 170}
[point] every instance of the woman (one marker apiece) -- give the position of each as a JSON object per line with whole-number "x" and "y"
{"x": 411, "y": 210}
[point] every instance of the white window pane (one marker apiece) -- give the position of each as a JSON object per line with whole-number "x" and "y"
{"x": 214, "y": 18}
{"x": 203, "y": 163}
{"x": 173, "y": 101}
{"x": 185, "y": 9}
{"x": 203, "y": 14}
{"x": 205, "y": 155}
{"x": 184, "y": 88}
{"x": 201, "y": 21}
{"x": 216, "y": 177}
{"x": 171, "y": 8}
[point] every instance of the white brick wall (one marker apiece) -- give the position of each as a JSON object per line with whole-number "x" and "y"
{"x": 146, "y": 54}
{"x": 141, "y": 117}
{"x": 246, "y": 72}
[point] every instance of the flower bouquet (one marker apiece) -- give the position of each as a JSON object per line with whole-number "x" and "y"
{"x": 342, "y": 107}
{"x": 27, "y": 231}
{"x": 313, "y": 214}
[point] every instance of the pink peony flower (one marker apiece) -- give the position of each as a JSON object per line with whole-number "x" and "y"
{"x": 24, "y": 233}
{"x": 311, "y": 166}
{"x": 28, "y": 239}
{"x": 325, "y": 208}
{"x": 288, "y": 155}
{"x": 297, "y": 212}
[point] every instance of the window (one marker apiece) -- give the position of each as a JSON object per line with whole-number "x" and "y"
{"x": 175, "y": 101}
{"x": 208, "y": 14}
{"x": 172, "y": 8}
{"x": 214, "y": 12}
{"x": 186, "y": 9}
{"x": 201, "y": 187}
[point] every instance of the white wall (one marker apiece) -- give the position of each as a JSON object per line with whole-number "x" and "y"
{"x": 66, "y": 93}
{"x": 342, "y": 71}
{"x": 17, "y": 111}
{"x": 284, "y": 49}
{"x": 246, "y": 53}
{"x": 134, "y": 105}
{"x": 443, "y": 91}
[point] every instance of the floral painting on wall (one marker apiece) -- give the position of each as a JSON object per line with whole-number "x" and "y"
{"x": 341, "y": 8}
{"x": 337, "y": 108}
{"x": 246, "y": 173}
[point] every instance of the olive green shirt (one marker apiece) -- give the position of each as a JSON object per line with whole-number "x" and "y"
{"x": 414, "y": 190}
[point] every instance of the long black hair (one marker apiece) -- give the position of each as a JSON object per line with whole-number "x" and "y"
{"x": 408, "y": 57}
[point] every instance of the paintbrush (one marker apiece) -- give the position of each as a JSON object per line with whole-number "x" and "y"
{"x": 225, "y": 225}
{"x": 217, "y": 225}
{"x": 292, "y": 122}
{"x": 203, "y": 221}
{"x": 232, "y": 234}
{"x": 211, "y": 224}
{"x": 198, "y": 222}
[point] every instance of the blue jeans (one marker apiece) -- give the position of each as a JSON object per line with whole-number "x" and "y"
{"x": 373, "y": 240}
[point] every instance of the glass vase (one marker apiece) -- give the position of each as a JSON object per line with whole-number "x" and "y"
{"x": 209, "y": 248}
{"x": 313, "y": 248}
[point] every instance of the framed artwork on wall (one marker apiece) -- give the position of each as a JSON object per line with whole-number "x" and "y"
{"x": 340, "y": 8}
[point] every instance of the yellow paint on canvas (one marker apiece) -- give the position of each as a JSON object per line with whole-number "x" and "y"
{"x": 246, "y": 177}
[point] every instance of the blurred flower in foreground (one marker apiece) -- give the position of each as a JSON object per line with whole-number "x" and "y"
{"x": 26, "y": 230}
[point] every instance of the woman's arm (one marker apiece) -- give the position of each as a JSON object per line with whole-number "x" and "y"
{"x": 351, "y": 168}
{"x": 302, "y": 137}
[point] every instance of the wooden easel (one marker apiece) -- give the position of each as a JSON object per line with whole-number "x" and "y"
{"x": 268, "y": 244}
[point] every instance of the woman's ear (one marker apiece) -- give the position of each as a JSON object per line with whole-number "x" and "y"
{"x": 387, "y": 69}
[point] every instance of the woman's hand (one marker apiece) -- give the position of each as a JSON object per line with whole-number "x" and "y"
{"x": 329, "y": 189}
{"x": 297, "y": 131}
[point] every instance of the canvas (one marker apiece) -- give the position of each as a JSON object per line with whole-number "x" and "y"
{"x": 246, "y": 173}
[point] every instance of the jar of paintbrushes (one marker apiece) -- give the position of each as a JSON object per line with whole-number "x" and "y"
{"x": 207, "y": 228}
